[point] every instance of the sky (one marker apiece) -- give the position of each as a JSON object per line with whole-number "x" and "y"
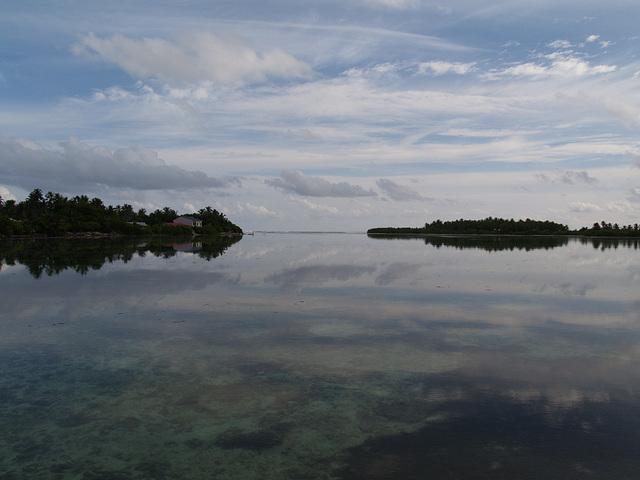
{"x": 327, "y": 115}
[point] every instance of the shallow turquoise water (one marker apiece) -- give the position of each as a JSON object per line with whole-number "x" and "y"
{"x": 327, "y": 356}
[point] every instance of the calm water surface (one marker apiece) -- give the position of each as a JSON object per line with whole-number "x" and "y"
{"x": 320, "y": 356}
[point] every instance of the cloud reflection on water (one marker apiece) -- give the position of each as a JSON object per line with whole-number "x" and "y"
{"x": 328, "y": 341}
{"x": 315, "y": 276}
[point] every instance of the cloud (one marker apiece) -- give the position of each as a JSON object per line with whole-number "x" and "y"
{"x": 5, "y": 194}
{"x": 634, "y": 194}
{"x": 626, "y": 111}
{"x": 396, "y": 4}
{"x": 571, "y": 178}
{"x": 319, "y": 209}
{"x": 559, "y": 64}
{"x": 635, "y": 157}
{"x": 257, "y": 210}
{"x": 568, "y": 177}
{"x": 29, "y": 165}
{"x": 196, "y": 57}
{"x": 583, "y": 207}
{"x": 603, "y": 43}
{"x": 396, "y": 271}
{"x": 398, "y": 192}
{"x": 438, "y": 68}
{"x": 565, "y": 67}
{"x": 316, "y": 275}
{"x": 618, "y": 207}
{"x": 560, "y": 44}
{"x": 615, "y": 207}
{"x": 296, "y": 182}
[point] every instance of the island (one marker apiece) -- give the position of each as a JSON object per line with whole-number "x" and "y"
{"x": 54, "y": 215}
{"x": 500, "y": 226}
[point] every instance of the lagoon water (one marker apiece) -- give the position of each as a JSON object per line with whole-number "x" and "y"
{"x": 320, "y": 356}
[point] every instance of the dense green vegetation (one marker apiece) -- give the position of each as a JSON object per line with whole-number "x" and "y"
{"x": 499, "y": 226}
{"x": 52, "y": 214}
{"x": 604, "y": 229}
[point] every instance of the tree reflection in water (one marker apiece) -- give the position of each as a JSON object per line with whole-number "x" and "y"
{"x": 53, "y": 256}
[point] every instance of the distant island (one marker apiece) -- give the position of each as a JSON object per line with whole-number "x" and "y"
{"x": 54, "y": 215}
{"x": 500, "y": 226}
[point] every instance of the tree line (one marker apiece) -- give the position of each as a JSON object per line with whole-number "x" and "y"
{"x": 500, "y": 226}
{"x": 52, "y": 214}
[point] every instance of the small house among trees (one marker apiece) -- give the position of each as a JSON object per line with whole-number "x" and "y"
{"x": 189, "y": 221}
{"x": 52, "y": 214}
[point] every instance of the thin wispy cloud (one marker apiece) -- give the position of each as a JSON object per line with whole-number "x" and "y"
{"x": 627, "y": 111}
